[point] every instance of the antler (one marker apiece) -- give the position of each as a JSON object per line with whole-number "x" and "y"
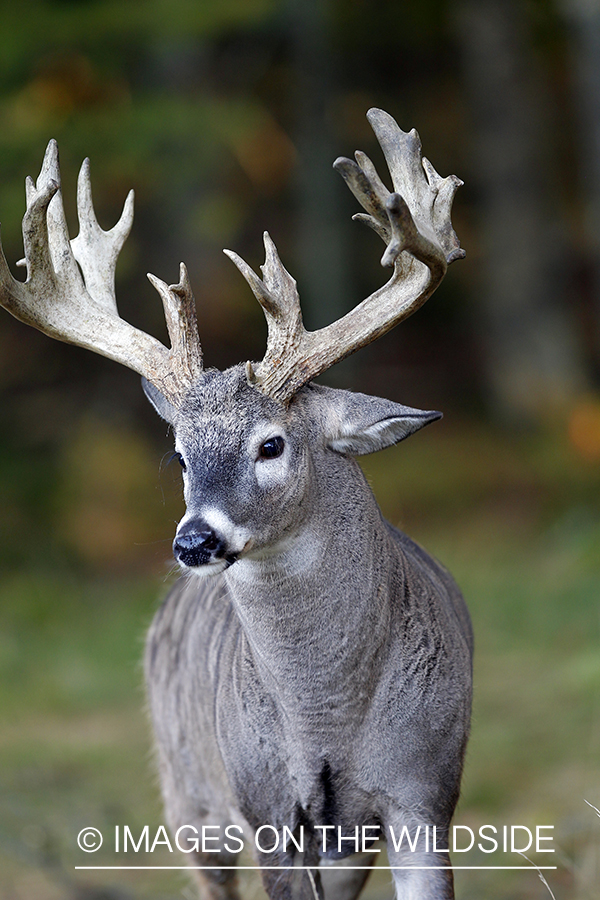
{"x": 414, "y": 223}
{"x": 76, "y": 303}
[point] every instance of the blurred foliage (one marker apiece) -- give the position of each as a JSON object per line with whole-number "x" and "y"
{"x": 225, "y": 118}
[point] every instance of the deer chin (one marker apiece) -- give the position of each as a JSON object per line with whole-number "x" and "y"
{"x": 209, "y": 569}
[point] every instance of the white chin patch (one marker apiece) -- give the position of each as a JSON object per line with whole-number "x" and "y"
{"x": 208, "y": 569}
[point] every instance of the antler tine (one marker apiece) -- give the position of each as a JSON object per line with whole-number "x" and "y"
{"x": 278, "y": 296}
{"x": 39, "y": 195}
{"x": 97, "y": 250}
{"x": 180, "y": 314}
{"x": 414, "y": 223}
{"x": 76, "y": 303}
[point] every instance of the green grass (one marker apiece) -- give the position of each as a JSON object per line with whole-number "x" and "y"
{"x": 517, "y": 523}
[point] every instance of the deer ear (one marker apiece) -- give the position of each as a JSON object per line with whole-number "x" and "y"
{"x": 162, "y": 406}
{"x": 366, "y": 424}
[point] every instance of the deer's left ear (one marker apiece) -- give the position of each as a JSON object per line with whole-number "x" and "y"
{"x": 361, "y": 424}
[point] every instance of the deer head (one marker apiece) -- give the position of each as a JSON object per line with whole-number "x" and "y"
{"x": 263, "y": 416}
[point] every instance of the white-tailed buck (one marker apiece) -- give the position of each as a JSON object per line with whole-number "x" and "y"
{"x": 311, "y": 669}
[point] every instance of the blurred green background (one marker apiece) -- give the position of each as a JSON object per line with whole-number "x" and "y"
{"x": 225, "y": 118}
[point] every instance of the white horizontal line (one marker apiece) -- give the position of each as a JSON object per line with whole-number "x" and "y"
{"x": 320, "y": 868}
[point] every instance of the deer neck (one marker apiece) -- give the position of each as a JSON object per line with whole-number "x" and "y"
{"x": 316, "y": 611}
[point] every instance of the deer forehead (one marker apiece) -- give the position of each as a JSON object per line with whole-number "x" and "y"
{"x": 222, "y": 411}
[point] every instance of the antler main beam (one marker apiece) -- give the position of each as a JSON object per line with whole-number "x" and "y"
{"x": 69, "y": 291}
{"x": 414, "y": 223}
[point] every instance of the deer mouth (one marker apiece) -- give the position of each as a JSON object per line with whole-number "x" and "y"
{"x": 207, "y": 570}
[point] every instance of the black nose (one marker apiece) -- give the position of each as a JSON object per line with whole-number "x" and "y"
{"x": 196, "y": 544}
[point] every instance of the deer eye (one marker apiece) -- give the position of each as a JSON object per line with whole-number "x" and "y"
{"x": 181, "y": 461}
{"x": 271, "y": 448}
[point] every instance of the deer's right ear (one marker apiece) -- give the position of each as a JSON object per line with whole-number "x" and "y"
{"x": 165, "y": 409}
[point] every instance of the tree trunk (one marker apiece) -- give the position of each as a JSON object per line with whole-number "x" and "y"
{"x": 534, "y": 365}
{"x": 324, "y": 278}
{"x": 583, "y": 17}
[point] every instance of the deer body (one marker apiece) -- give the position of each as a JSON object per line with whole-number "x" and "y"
{"x": 323, "y": 677}
{"x": 312, "y": 669}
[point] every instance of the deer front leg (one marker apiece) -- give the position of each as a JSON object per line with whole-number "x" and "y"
{"x": 342, "y": 881}
{"x": 425, "y": 876}
{"x": 425, "y": 884}
{"x": 285, "y": 876}
{"x": 214, "y": 884}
